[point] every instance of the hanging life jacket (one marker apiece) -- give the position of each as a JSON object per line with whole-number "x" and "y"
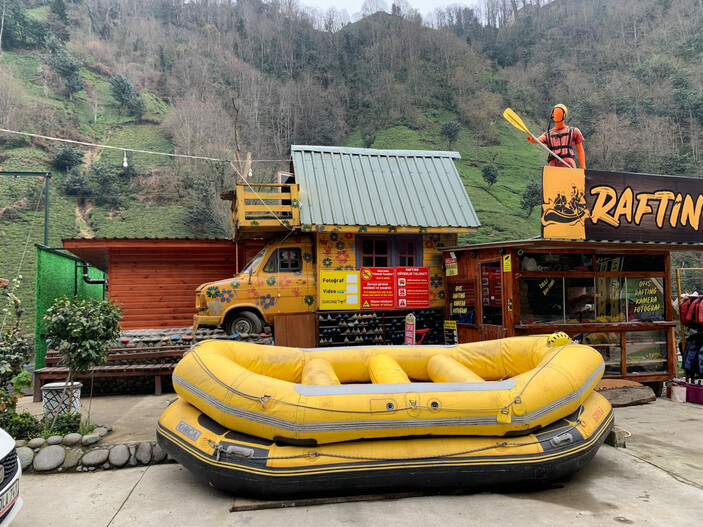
{"x": 559, "y": 147}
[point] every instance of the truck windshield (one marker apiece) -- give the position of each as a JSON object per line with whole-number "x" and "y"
{"x": 254, "y": 263}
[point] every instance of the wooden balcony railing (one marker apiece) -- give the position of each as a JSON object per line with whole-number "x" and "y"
{"x": 265, "y": 207}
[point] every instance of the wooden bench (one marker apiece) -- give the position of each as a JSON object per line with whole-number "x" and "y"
{"x": 167, "y": 357}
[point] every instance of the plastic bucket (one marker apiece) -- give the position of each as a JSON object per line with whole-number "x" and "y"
{"x": 679, "y": 393}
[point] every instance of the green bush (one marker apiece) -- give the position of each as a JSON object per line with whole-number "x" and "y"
{"x": 24, "y": 425}
{"x": 67, "y": 158}
{"x": 67, "y": 424}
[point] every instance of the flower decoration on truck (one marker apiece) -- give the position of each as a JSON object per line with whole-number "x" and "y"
{"x": 392, "y": 229}
{"x": 307, "y": 257}
{"x": 226, "y": 295}
{"x": 334, "y": 237}
{"x": 309, "y": 300}
{"x": 267, "y": 301}
{"x": 271, "y": 281}
{"x": 436, "y": 281}
{"x": 215, "y": 307}
{"x": 294, "y": 203}
{"x": 327, "y": 262}
{"x": 340, "y": 246}
{"x": 213, "y": 291}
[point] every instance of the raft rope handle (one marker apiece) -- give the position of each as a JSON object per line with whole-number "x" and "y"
{"x": 315, "y": 453}
{"x": 413, "y": 406}
{"x": 268, "y": 398}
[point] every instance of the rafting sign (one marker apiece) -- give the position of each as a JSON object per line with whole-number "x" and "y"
{"x": 614, "y": 206}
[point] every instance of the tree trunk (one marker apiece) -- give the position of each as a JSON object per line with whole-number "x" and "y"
{"x": 2, "y": 25}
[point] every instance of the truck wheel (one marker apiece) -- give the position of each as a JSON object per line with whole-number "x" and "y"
{"x": 243, "y": 322}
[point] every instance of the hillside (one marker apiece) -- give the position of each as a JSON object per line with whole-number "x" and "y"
{"x": 628, "y": 71}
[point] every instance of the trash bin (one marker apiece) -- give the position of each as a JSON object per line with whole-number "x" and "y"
{"x": 51, "y": 398}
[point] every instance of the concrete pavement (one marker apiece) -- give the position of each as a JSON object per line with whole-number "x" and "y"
{"x": 656, "y": 480}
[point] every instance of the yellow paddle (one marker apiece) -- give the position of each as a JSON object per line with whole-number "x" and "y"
{"x": 515, "y": 120}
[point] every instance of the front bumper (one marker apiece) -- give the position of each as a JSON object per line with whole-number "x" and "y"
{"x": 205, "y": 320}
{"x": 10, "y": 500}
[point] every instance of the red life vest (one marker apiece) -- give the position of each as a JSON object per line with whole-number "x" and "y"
{"x": 556, "y": 144}
{"x": 692, "y": 315}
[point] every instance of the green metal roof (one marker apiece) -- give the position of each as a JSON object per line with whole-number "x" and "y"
{"x": 358, "y": 186}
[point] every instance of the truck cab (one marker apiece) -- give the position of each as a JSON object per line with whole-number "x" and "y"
{"x": 280, "y": 279}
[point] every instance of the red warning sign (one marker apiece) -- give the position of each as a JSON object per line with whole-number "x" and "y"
{"x": 412, "y": 287}
{"x": 377, "y": 287}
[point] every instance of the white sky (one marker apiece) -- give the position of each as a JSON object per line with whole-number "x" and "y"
{"x": 354, "y": 6}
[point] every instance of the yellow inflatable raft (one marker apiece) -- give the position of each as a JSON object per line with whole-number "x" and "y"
{"x": 258, "y": 468}
{"x": 494, "y": 388}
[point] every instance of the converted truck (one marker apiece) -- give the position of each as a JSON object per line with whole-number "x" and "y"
{"x": 342, "y": 210}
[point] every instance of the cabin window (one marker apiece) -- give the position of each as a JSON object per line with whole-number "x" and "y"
{"x": 285, "y": 261}
{"x": 630, "y": 263}
{"x": 646, "y": 352}
{"x": 389, "y": 251}
{"x": 645, "y": 299}
{"x": 406, "y": 253}
{"x": 558, "y": 262}
{"x": 609, "y": 345}
{"x": 542, "y": 300}
{"x": 375, "y": 252}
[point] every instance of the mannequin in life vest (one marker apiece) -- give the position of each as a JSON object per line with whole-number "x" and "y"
{"x": 562, "y": 139}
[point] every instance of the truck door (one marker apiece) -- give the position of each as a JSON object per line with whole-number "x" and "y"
{"x": 288, "y": 280}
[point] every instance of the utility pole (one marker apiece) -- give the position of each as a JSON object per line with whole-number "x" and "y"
{"x": 47, "y": 180}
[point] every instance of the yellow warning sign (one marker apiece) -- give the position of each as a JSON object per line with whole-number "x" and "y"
{"x": 366, "y": 304}
{"x": 507, "y": 263}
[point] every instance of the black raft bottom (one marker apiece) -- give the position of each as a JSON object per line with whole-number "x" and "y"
{"x": 252, "y": 479}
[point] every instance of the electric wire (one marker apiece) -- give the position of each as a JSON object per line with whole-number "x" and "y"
{"x": 166, "y": 154}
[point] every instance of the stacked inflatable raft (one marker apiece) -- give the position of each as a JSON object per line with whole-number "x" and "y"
{"x": 264, "y": 421}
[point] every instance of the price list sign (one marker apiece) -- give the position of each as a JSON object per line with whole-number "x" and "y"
{"x": 412, "y": 286}
{"x": 377, "y": 288}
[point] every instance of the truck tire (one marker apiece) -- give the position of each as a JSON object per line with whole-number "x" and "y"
{"x": 242, "y": 322}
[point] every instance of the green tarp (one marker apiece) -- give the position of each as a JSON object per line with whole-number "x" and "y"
{"x": 58, "y": 275}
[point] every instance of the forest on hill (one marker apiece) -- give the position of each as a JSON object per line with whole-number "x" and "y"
{"x": 175, "y": 76}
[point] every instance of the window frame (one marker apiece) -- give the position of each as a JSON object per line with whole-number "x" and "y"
{"x": 393, "y": 242}
{"x": 275, "y": 255}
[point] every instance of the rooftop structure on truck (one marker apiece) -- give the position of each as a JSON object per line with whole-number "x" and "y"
{"x": 346, "y": 228}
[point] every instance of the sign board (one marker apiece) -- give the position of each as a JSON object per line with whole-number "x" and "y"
{"x": 462, "y": 301}
{"x": 451, "y": 335}
{"x": 507, "y": 264}
{"x": 410, "y": 330}
{"x": 413, "y": 287}
{"x": 614, "y": 206}
{"x": 451, "y": 267}
{"x": 339, "y": 290}
{"x": 377, "y": 287}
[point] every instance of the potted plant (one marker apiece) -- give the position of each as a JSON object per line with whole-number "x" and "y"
{"x": 81, "y": 332}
